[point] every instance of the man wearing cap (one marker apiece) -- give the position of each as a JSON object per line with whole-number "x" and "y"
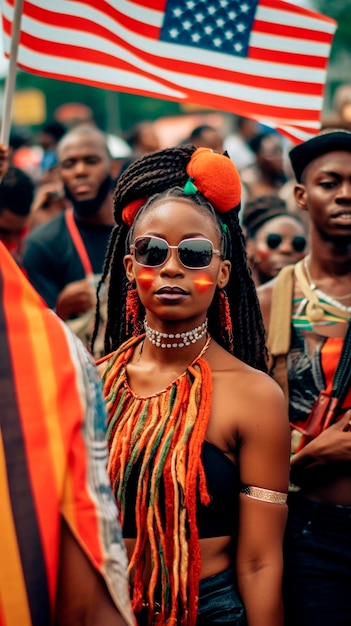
{"x": 307, "y": 311}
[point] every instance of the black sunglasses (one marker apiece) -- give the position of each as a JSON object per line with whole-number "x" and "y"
{"x": 193, "y": 253}
{"x": 298, "y": 242}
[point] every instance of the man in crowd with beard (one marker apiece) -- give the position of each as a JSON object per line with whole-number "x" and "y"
{"x": 64, "y": 257}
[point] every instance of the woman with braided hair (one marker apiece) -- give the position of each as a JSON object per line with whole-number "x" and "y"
{"x": 197, "y": 431}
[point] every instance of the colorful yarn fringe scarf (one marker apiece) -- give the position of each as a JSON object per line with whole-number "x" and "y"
{"x": 164, "y": 434}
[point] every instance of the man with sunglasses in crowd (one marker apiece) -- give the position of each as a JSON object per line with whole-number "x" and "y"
{"x": 307, "y": 312}
{"x": 274, "y": 237}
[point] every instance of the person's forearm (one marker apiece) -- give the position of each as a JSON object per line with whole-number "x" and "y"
{"x": 302, "y": 462}
{"x": 302, "y": 459}
{"x": 334, "y": 449}
{"x": 261, "y": 594}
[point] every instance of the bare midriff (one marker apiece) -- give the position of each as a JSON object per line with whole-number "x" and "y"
{"x": 215, "y": 556}
{"x": 335, "y": 491}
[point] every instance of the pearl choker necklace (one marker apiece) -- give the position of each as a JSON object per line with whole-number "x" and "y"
{"x": 161, "y": 340}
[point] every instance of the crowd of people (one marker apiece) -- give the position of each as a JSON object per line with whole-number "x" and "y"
{"x": 176, "y": 345}
{"x": 310, "y": 339}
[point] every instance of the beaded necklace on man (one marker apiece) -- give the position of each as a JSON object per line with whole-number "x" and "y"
{"x": 335, "y": 302}
{"x": 163, "y": 434}
{"x": 316, "y": 307}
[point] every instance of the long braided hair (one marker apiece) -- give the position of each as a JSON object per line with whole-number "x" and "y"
{"x": 160, "y": 437}
{"x": 152, "y": 174}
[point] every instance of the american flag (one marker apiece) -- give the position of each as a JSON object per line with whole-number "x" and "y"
{"x": 264, "y": 59}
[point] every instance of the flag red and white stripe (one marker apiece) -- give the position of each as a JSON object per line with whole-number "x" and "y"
{"x": 117, "y": 44}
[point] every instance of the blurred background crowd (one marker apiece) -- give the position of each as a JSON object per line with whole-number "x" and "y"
{"x": 37, "y": 189}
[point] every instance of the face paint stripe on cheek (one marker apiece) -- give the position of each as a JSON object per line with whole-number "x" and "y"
{"x": 203, "y": 282}
{"x": 145, "y": 278}
{"x": 264, "y": 253}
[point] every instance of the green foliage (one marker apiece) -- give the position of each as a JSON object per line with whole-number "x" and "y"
{"x": 340, "y": 11}
{"x": 135, "y": 108}
{"x": 113, "y": 111}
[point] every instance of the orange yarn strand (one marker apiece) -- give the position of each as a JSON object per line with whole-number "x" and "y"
{"x": 132, "y": 311}
{"x": 226, "y": 320}
{"x": 163, "y": 434}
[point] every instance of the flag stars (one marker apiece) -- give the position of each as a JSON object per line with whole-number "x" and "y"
{"x": 174, "y": 33}
{"x": 196, "y": 37}
{"x": 199, "y": 17}
{"x": 217, "y": 25}
{"x": 177, "y": 12}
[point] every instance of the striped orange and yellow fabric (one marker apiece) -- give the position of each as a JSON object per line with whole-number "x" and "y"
{"x": 52, "y": 457}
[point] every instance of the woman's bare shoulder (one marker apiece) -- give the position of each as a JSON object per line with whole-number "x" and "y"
{"x": 247, "y": 403}
{"x": 231, "y": 373}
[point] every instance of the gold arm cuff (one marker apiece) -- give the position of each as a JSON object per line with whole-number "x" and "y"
{"x": 267, "y": 495}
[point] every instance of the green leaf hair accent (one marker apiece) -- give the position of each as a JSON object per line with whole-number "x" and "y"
{"x": 189, "y": 188}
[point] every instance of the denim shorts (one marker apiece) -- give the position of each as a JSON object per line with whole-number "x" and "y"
{"x": 317, "y": 564}
{"x": 219, "y": 601}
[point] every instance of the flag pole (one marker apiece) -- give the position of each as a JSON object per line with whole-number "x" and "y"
{"x": 11, "y": 76}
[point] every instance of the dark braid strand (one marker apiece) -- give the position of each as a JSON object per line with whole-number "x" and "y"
{"x": 151, "y": 174}
{"x": 102, "y": 280}
{"x": 248, "y": 328}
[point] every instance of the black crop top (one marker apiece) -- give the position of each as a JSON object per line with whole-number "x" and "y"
{"x": 219, "y": 518}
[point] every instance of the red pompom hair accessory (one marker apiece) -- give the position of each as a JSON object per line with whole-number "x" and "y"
{"x": 215, "y": 176}
{"x": 130, "y": 210}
